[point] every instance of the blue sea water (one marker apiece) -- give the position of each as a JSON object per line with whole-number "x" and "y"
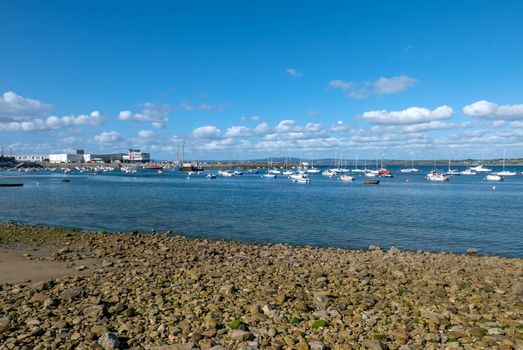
{"x": 406, "y": 211}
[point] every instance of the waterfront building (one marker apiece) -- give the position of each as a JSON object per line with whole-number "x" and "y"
{"x": 35, "y": 158}
{"x": 58, "y": 158}
{"x": 136, "y": 156}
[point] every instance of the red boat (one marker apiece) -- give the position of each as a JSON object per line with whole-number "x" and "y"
{"x": 152, "y": 166}
{"x": 385, "y": 172}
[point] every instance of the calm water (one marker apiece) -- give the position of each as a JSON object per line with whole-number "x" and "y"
{"x": 406, "y": 211}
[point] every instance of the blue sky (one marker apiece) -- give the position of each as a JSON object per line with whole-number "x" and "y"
{"x": 236, "y": 79}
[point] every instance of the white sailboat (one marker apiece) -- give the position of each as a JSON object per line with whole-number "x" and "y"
{"x": 312, "y": 169}
{"x": 271, "y": 173}
{"x": 409, "y": 170}
{"x": 356, "y": 169}
{"x": 506, "y": 172}
{"x": 452, "y": 171}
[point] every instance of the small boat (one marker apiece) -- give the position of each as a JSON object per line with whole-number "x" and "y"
{"x": 329, "y": 173}
{"x": 468, "y": 171}
{"x": 300, "y": 178}
{"x": 238, "y": 173}
{"x": 506, "y": 172}
{"x": 494, "y": 177}
{"x": 452, "y": 171}
{"x": 211, "y": 176}
{"x": 288, "y": 172}
{"x": 66, "y": 180}
{"x": 347, "y": 178}
{"x": 269, "y": 176}
{"x": 313, "y": 171}
{"x": 437, "y": 176}
{"x": 11, "y": 185}
{"x": 385, "y": 172}
{"x": 480, "y": 169}
{"x": 226, "y": 173}
{"x": 367, "y": 181}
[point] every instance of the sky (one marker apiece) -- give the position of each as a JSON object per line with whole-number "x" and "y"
{"x": 258, "y": 79}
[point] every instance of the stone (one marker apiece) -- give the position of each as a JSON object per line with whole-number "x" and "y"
{"x": 5, "y": 324}
{"x": 99, "y": 329}
{"x": 321, "y": 301}
{"x": 472, "y": 251}
{"x": 109, "y": 341}
{"x": 50, "y": 302}
{"x": 477, "y": 332}
{"x": 316, "y": 345}
{"x": 94, "y": 311}
{"x": 39, "y": 297}
{"x": 240, "y": 335}
{"x": 517, "y": 289}
{"x": 183, "y": 346}
{"x": 374, "y": 344}
{"x": 71, "y": 293}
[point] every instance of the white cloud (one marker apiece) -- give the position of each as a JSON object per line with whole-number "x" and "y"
{"x": 108, "y": 137}
{"x": 145, "y": 134}
{"x": 340, "y": 126}
{"x": 382, "y": 86}
{"x": 293, "y": 72}
{"x": 412, "y": 115}
{"x": 262, "y": 128}
{"x": 340, "y": 84}
{"x": 207, "y": 132}
{"x": 154, "y": 113}
{"x": 394, "y": 85}
{"x": 486, "y": 109}
{"x": 432, "y": 125}
{"x": 92, "y": 119}
{"x": 17, "y": 108}
{"x": 238, "y": 131}
{"x": 286, "y": 126}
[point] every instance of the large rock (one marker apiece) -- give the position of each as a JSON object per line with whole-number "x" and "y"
{"x": 5, "y": 324}
{"x": 71, "y": 293}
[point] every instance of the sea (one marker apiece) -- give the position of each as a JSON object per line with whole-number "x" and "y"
{"x": 406, "y": 211}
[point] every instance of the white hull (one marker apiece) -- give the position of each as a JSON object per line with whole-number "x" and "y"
{"x": 494, "y": 177}
{"x": 347, "y": 178}
{"x": 436, "y": 177}
{"x": 411, "y": 170}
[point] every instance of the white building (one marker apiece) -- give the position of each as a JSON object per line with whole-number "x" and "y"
{"x": 65, "y": 158}
{"x": 135, "y": 155}
{"x": 35, "y": 158}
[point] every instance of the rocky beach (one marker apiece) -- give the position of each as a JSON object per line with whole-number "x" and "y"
{"x": 69, "y": 289}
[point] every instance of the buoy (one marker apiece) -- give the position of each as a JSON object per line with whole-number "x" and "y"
{"x": 493, "y": 187}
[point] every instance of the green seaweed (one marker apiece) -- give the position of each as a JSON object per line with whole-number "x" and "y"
{"x": 319, "y": 323}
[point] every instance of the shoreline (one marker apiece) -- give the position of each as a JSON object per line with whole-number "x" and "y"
{"x": 145, "y": 291}
{"x": 186, "y": 235}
